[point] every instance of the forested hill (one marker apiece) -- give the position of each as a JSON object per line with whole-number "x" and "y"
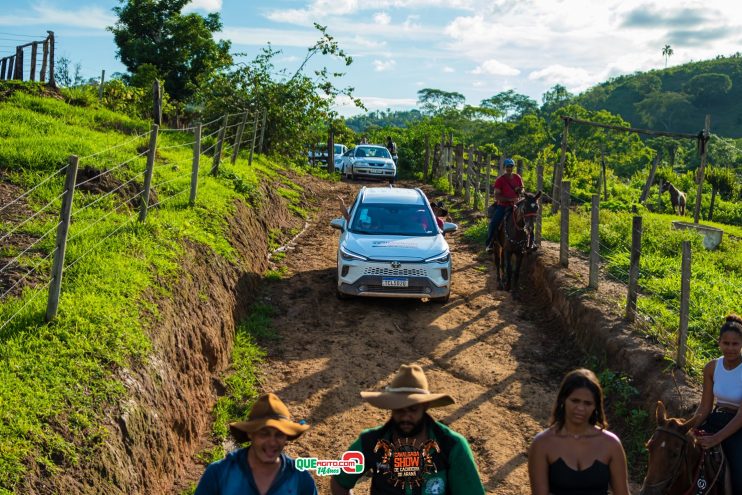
{"x": 676, "y": 98}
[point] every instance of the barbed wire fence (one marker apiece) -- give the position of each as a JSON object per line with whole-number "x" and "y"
{"x": 42, "y": 260}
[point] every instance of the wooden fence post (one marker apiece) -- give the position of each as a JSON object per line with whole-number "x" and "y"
{"x": 488, "y": 167}
{"x": 539, "y": 187}
{"x": 519, "y": 167}
{"x": 468, "y": 179}
{"x": 426, "y": 162}
{"x": 594, "y": 242}
{"x": 650, "y": 179}
{"x": 560, "y": 168}
{"x": 254, "y": 137}
{"x": 501, "y": 165}
{"x": 659, "y": 195}
{"x": 3, "y": 67}
{"x": 262, "y": 130}
{"x": 605, "y": 179}
{"x": 196, "y": 161}
{"x": 156, "y": 103}
{"x": 459, "y": 152}
{"x": 238, "y": 138}
{"x": 34, "y": 53}
{"x": 50, "y": 39}
{"x": 60, "y": 247}
{"x": 564, "y": 235}
{"x": 102, "y": 82}
{"x": 702, "y": 168}
{"x": 636, "y": 250}
{"x": 684, "y": 304}
{"x": 331, "y": 150}
{"x": 148, "y": 173}
{"x": 219, "y": 145}
{"x": 18, "y": 71}
{"x": 44, "y": 58}
{"x": 477, "y": 176}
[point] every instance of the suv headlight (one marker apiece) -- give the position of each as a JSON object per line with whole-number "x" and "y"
{"x": 349, "y": 255}
{"x": 440, "y": 258}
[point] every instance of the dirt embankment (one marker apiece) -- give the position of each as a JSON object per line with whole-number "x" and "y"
{"x": 154, "y": 435}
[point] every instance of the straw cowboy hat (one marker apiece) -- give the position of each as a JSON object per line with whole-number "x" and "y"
{"x": 269, "y": 410}
{"x": 409, "y": 387}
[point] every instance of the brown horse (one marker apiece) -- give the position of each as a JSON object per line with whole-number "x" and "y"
{"x": 514, "y": 237}
{"x": 677, "y": 197}
{"x": 678, "y": 465}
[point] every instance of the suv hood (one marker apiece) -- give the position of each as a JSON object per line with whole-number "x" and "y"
{"x": 396, "y": 247}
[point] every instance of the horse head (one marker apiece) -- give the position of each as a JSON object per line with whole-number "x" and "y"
{"x": 673, "y": 455}
{"x": 666, "y": 185}
{"x": 526, "y": 210}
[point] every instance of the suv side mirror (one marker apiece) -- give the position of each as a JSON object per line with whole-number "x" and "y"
{"x": 449, "y": 227}
{"x": 339, "y": 223}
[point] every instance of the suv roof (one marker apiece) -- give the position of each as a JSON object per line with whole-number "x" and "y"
{"x": 392, "y": 195}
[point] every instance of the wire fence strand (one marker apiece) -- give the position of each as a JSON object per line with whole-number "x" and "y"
{"x": 28, "y": 273}
{"x": 100, "y": 219}
{"x": 29, "y": 247}
{"x": 25, "y": 194}
{"x": 30, "y": 300}
{"x": 116, "y": 146}
{"x": 101, "y": 198}
{"x": 126, "y": 222}
{"x": 28, "y": 219}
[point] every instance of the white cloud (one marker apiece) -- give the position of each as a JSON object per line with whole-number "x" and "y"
{"x": 574, "y": 78}
{"x": 367, "y": 43}
{"x": 384, "y": 65}
{"x": 301, "y": 17}
{"x": 478, "y": 84}
{"x": 345, "y": 106}
{"x": 261, "y": 36}
{"x": 206, "y": 5}
{"x": 448, "y": 70}
{"x": 90, "y": 17}
{"x": 382, "y": 18}
{"x": 495, "y": 68}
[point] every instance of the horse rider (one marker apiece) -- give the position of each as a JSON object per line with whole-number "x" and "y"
{"x": 412, "y": 453}
{"x": 507, "y": 188}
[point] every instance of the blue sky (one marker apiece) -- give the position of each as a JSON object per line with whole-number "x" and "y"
{"x": 475, "y": 47}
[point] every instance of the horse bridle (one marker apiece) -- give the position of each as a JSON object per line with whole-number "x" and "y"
{"x": 521, "y": 243}
{"x": 665, "y": 483}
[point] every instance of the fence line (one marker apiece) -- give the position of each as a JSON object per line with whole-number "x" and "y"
{"x": 62, "y": 226}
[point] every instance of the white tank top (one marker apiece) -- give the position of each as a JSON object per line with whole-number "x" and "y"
{"x": 728, "y": 384}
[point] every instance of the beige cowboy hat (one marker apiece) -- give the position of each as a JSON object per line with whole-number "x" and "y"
{"x": 409, "y": 387}
{"x": 269, "y": 410}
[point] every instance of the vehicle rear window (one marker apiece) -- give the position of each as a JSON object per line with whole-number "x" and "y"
{"x": 389, "y": 219}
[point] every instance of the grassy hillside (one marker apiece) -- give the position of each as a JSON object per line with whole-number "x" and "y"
{"x": 58, "y": 379}
{"x": 625, "y": 94}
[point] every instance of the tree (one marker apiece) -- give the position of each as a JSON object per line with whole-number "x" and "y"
{"x": 709, "y": 87}
{"x": 663, "y": 108}
{"x": 180, "y": 47}
{"x": 63, "y": 76}
{"x": 554, "y": 99}
{"x": 667, "y": 52}
{"x": 436, "y": 101}
{"x": 511, "y": 105}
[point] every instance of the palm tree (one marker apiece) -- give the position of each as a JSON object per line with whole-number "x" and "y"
{"x": 667, "y": 52}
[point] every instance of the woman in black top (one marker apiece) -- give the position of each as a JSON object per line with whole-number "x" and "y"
{"x": 576, "y": 455}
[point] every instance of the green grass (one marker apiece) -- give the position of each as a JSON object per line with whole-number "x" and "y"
{"x": 716, "y": 276}
{"x": 58, "y": 379}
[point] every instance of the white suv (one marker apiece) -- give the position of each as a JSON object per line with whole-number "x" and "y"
{"x": 393, "y": 247}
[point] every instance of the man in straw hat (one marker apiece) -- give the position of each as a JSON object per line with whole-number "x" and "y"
{"x": 262, "y": 468}
{"x": 412, "y": 453}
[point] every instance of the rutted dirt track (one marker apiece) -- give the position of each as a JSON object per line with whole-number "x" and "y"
{"x": 502, "y": 360}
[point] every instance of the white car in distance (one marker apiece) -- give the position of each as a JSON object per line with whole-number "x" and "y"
{"x": 393, "y": 247}
{"x": 369, "y": 160}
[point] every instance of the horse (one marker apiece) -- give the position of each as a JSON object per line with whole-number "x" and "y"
{"x": 677, "y": 197}
{"x": 514, "y": 237}
{"x": 678, "y": 465}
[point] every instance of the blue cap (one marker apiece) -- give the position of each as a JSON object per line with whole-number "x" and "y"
{"x": 509, "y": 162}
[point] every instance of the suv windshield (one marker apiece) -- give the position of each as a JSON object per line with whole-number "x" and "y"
{"x": 391, "y": 219}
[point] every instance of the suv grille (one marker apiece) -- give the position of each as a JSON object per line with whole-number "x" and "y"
{"x": 395, "y": 272}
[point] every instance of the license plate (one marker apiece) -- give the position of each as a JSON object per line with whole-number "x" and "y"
{"x": 394, "y": 282}
{"x": 377, "y": 171}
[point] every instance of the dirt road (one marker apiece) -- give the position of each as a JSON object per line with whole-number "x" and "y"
{"x": 500, "y": 359}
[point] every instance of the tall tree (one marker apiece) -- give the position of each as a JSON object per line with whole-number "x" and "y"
{"x": 667, "y": 52}
{"x": 436, "y": 101}
{"x": 511, "y": 105}
{"x": 182, "y": 49}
